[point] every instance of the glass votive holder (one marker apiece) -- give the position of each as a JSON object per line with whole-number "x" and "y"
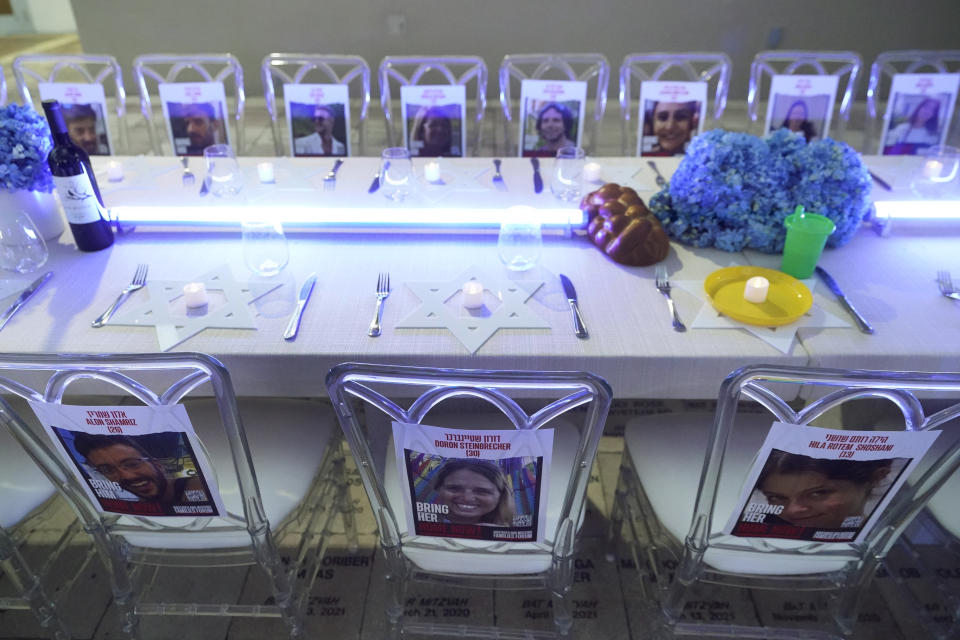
{"x": 396, "y": 173}
{"x": 264, "y": 246}
{"x": 22, "y": 248}
{"x": 520, "y": 241}
{"x": 566, "y": 182}
{"x": 937, "y": 173}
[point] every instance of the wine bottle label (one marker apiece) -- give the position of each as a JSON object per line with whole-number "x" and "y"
{"x": 79, "y": 201}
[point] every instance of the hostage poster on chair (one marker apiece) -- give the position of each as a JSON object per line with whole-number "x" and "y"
{"x": 134, "y": 460}
{"x": 824, "y": 485}
{"x": 474, "y": 484}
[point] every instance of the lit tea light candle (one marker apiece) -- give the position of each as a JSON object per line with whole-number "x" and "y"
{"x": 591, "y": 172}
{"x": 472, "y": 294}
{"x": 431, "y": 171}
{"x": 932, "y": 169}
{"x": 114, "y": 171}
{"x": 756, "y": 289}
{"x": 195, "y": 294}
{"x": 265, "y": 172}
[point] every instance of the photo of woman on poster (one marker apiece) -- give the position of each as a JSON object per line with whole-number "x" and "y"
{"x": 918, "y": 131}
{"x": 823, "y": 493}
{"x": 435, "y": 131}
{"x": 797, "y": 120}
{"x": 473, "y": 497}
{"x": 669, "y": 127}
{"x": 475, "y": 492}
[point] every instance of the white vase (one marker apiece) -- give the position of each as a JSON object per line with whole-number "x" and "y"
{"x": 42, "y": 208}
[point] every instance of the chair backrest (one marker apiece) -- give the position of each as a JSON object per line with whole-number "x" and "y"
{"x": 151, "y": 70}
{"x": 367, "y": 398}
{"x": 80, "y": 69}
{"x": 711, "y": 68}
{"x": 891, "y": 63}
{"x": 309, "y": 68}
{"x": 592, "y": 68}
{"x": 843, "y": 64}
{"x": 3, "y": 87}
{"x": 139, "y": 381}
{"x": 399, "y": 71}
{"x": 773, "y": 387}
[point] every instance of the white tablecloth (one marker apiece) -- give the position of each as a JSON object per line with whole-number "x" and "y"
{"x": 631, "y": 344}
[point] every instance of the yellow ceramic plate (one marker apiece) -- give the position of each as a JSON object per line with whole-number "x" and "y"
{"x": 787, "y": 299}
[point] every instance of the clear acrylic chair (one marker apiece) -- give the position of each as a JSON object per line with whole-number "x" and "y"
{"x": 592, "y": 68}
{"x": 295, "y": 494}
{"x": 301, "y": 68}
{"x": 25, "y": 492}
{"x": 672, "y": 521}
{"x": 884, "y": 68}
{"x": 3, "y": 87}
{"x": 30, "y": 70}
{"x": 636, "y": 68}
{"x": 397, "y": 71}
{"x": 368, "y": 397}
{"x": 150, "y": 70}
{"x": 843, "y": 64}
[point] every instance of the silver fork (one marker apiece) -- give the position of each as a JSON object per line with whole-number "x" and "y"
{"x": 661, "y": 182}
{"x": 139, "y": 279}
{"x": 330, "y": 180}
{"x": 663, "y": 285}
{"x": 188, "y": 177}
{"x": 383, "y": 291}
{"x": 946, "y": 285}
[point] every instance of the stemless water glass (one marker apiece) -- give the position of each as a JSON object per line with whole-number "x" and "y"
{"x": 396, "y": 173}
{"x": 265, "y": 247}
{"x": 223, "y": 176}
{"x": 22, "y": 248}
{"x": 520, "y": 241}
{"x": 566, "y": 183}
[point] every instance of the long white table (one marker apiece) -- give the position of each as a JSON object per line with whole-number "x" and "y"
{"x": 631, "y": 344}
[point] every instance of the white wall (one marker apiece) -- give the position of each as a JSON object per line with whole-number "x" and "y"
{"x": 50, "y": 16}
{"x": 491, "y": 28}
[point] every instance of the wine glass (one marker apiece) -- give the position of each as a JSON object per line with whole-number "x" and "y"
{"x": 396, "y": 173}
{"x": 22, "y": 248}
{"x": 223, "y": 176}
{"x": 566, "y": 183}
{"x": 265, "y": 247}
{"x": 520, "y": 241}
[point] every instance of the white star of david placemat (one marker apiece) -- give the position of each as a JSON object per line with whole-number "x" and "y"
{"x": 781, "y": 338}
{"x": 506, "y": 308}
{"x": 174, "y": 323}
{"x": 10, "y": 287}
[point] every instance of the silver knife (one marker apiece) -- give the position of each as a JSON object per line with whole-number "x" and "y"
{"x": 23, "y": 297}
{"x": 579, "y": 327}
{"x": 833, "y": 286}
{"x": 537, "y": 180}
{"x": 305, "y": 290}
{"x": 376, "y": 183}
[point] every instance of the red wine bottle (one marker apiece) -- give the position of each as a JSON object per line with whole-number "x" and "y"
{"x": 76, "y": 185}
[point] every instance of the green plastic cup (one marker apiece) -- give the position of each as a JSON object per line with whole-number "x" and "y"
{"x": 807, "y": 233}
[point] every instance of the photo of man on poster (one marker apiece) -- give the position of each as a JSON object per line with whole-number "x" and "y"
{"x": 122, "y": 460}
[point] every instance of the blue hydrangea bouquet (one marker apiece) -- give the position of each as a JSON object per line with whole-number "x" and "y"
{"x": 24, "y": 144}
{"x": 733, "y": 190}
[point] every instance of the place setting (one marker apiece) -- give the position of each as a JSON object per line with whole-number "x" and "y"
{"x": 478, "y": 302}
{"x": 215, "y": 299}
{"x": 773, "y": 304}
